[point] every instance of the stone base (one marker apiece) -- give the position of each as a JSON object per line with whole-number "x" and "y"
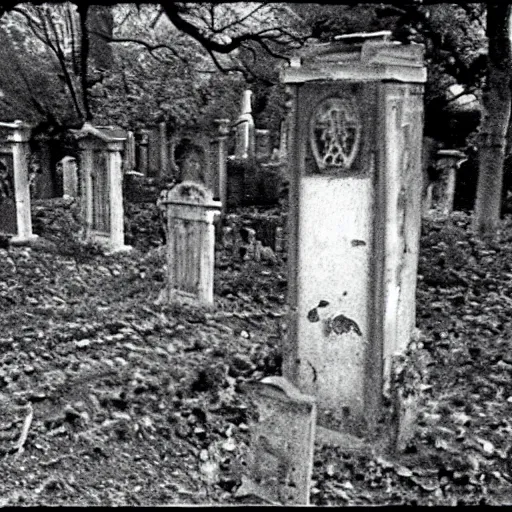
{"x": 177, "y": 297}
{"x": 23, "y": 240}
{"x": 117, "y": 249}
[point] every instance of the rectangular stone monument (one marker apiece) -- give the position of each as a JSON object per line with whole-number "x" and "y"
{"x": 354, "y": 223}
{"x": 102, "y": 185}
{"x": 15, "y": 215}
{"x": 190, "y": 212}
{"x": 282, "y": 444}
{"x": 69, "y": 171}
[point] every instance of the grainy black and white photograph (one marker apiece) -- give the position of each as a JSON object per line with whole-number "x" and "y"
{"x": 255, "y": 253}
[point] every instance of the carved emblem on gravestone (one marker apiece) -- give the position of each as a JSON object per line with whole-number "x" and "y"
{"x": 335, "y": 134}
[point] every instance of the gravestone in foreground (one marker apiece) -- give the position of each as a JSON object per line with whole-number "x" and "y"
{"x": 190, "y": 211}
{"x": 355, "y": 212}
{"x": 282, "y": 444}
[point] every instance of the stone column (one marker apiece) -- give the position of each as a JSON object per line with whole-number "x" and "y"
{"x": 164, "y": 155}
{"x": 245, "y": 129}
{"x": 143, "y": 153}
{"x": 354, "y": 222}
{"x": 222, "y": 178}
{"x": 129, "y": 154}
{"x": 18, "y": 137}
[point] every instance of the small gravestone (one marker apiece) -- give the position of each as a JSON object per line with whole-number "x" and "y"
{"x": 282, "y": 444}
{"x": 190, "y": 214}
{"x": 69, "y": 170}
{"x": 443, "y": 189}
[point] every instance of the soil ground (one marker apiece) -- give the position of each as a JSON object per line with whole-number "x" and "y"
{"x": 120, "y": 401}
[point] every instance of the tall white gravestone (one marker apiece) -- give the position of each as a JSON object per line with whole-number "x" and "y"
{"x": 354, "y": 223}
{"x": 102, "y": 185}
{"x": 14, "y": 157}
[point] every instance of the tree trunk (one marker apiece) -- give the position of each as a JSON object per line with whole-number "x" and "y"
{"x": 496, "y": 117}
{"x": 83, "y": 10}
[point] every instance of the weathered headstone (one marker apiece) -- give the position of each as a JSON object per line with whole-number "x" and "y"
{"x": 190, "y": 212}
{"x": 443, "y": 188}
{"x": 354, "y": 222}
{"x": 282, "y": 444}
{"x": 102, "y": 185}
{"x": 15, "y": 216}
{"x": 69, "y": 170}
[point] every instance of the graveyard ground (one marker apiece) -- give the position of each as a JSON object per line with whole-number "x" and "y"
{"x": 109, "y": 399}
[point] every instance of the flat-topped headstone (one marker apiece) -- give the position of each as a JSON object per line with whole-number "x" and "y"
{"x": 282, "y": 443}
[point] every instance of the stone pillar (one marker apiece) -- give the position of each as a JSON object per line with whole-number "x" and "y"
{"x": 17, "y": 137}
{"x": 245, "y": 129}
{"x": 354, "y": 222}
{"x": 164, "y": 155}
{"x": 69, "y": 176}
{"x": 143, "y": 152}
{"x": 102, "y": 186}
{"x": 283, "y": 139}
{"x": 222, "y": 178}
{"x": 191, "y": 212}
{"x": 443, "y": 189}
{"x": 129, "y": 152}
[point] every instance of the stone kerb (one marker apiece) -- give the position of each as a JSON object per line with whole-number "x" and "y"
{"x": 102, "y": 185}
{"x": 15, "y": 207}
{"x": 191, "y": 213}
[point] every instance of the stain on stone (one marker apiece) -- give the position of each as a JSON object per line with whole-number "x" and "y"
{"x": 313, "y": 315}
{"x": 344, "y": 293}
{"x": 323, "y": 304}
{"x": 357, "y": 243}
{"x": 342, "y": 324}
{"x": 314, "y": 372}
